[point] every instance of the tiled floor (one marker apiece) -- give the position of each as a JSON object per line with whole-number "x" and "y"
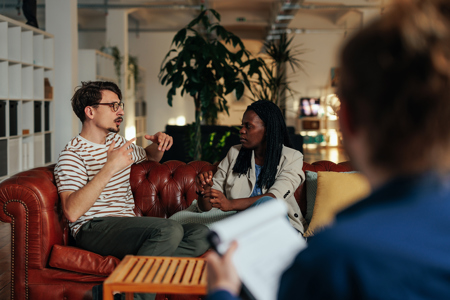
{"x": 333, "y": 154}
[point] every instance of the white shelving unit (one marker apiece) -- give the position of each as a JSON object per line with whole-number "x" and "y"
{"x": 26, "y": 114}
{"x": 94, "y": 65}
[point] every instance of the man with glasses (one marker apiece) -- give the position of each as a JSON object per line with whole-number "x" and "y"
{"x": 92, "y": 176}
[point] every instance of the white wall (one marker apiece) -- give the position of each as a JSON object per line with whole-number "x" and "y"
{"x": 151, "y": 48}
{"x": 92, "y": 40}
{"x": 322, "y": 50}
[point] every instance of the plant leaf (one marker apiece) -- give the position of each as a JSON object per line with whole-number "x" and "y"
{"x": 239, "y": 90}
{"x": 179, "y": 37}
{"x": 196, "y": 20}
{"x": 216, "y": 14}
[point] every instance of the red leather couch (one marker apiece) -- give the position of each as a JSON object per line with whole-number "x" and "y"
{"x": 46, "y": 266}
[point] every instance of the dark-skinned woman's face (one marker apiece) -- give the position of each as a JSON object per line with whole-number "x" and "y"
{"x": 253, "y": 131}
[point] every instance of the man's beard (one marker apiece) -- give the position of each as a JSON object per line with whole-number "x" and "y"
{"x": 115, "y": 130}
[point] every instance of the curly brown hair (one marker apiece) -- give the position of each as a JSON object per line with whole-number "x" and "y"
{"x": 90, "y": 94}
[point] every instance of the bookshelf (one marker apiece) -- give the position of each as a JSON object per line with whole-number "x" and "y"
{"x": 26, "y": 97}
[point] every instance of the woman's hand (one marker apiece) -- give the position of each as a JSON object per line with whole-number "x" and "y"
{"x": 222, "y": 275}
{"x": 204, "y": 181}
{"x": 218, "y": 199}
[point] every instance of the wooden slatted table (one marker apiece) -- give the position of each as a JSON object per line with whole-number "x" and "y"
{"x": 156, "y": 274}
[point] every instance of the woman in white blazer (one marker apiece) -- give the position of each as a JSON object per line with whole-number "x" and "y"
{"x": 261, "y": 168}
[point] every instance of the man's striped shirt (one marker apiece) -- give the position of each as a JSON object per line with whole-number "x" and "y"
{"x": 80, "y": 161}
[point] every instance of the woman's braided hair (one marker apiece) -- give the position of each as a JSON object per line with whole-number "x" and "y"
{"x": 276, "y": 136}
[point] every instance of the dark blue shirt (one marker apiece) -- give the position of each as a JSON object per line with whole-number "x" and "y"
{"x": 393, "y": 245}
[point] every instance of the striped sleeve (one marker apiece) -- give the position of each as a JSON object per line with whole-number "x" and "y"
{"x": 139, "y": 153}
{"x": 70, "y": 172}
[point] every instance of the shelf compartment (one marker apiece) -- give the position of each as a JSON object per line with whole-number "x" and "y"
{"x": 14, "y": 81}
{"x": 47, "y": 115}
{"x": 38, "y": 83}
{"x": 27, "y": 152}
{"x": 38, "y": 49}
{"x": 3, "y": 37}
{"x": 4, "y": 156}
{"x": 48, "y": 52}
{"x": 3, "y": 118}
{"x": 15, "y": 156}
{"x": 3, "y": 78}
{"x": 48, "y": 148}
{"x": 14, "y": 110}
{"x": 27, "y": 82}
{"x": 27, "y": 47}
{"x": 27, "y": 117}
{"x": 14, "y": 39}
{"x": 37, "y": 116}
{"x": 38, "y": 150}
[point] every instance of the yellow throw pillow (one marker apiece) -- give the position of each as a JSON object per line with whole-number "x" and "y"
{"x": 335, "y": 191}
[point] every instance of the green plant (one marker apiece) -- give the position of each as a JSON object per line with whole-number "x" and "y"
{"x": 274, "y": 85}
{"x": 134, "y": 69}
{"x": 205, "y": 69}
{"x": 211, "y": 150}
{"x": 118, "y": 59}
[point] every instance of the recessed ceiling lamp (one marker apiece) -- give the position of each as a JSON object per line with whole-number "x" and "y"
{"x": 285, "y": 17}
{"x": 273, "y": 37}
{"x": 280, "y": 25}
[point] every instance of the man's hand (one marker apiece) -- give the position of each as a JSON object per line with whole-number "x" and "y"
{"x": 222, "y": 275}
{"x": 218, "y": 199}
{"x": 163, "y": 140}
{"x": 120, "y": 158}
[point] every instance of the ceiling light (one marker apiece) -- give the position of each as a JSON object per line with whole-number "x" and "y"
{"x": 289, "y": 6}
{"x": 275, "y": 32}
{"x": 280, "y": 25}
{"x": 285, "y": 17}
{"x": 273, "y": 37}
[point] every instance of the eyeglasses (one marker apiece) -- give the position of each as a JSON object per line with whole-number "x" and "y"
{"x": 114, "y": 105}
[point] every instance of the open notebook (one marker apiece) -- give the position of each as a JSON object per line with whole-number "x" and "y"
{"x": 267, "y": 245}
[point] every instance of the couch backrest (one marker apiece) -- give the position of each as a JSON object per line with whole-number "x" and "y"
{"x": 160, "y": 190}
{"x": 174, "y": 181}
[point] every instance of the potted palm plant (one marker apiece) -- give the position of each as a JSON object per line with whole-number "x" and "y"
{"x": 274, "y": 85}
{"x": 201, "y": 65}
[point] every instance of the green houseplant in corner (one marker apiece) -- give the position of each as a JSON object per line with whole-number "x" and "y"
{"x": 204, "y": 68}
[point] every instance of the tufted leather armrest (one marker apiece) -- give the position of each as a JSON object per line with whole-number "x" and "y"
{"x": 82, "y": 261}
